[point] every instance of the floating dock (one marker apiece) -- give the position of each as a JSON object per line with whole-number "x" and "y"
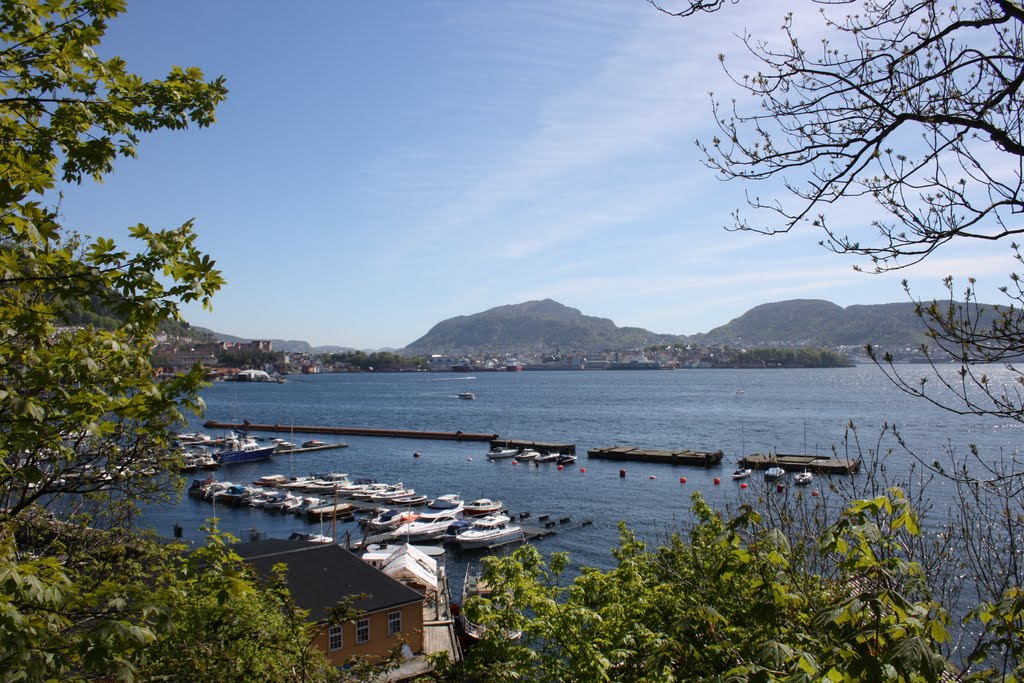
{"x": 538, "y": 446}
{"x": 350, "y": 431}
{"x": 799, "y": 463}
{"x": 310, "y": 449}
{"x": 636, "y": 454}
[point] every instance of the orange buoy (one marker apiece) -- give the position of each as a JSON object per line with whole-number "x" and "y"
{"x": 515, "y": 462}
{"x": 717, "y": 481}
{"x": 682, "y": 480}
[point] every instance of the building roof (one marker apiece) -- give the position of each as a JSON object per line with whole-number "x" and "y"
{"x": 321, "y": 575}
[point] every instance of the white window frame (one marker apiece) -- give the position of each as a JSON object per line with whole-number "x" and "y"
{"x": 394, "y": 622}
{"x": 362, "y": 631}
{"x": 335, "y": 634}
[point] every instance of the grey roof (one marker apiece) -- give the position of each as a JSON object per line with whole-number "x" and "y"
{"x": 320, "y": 575}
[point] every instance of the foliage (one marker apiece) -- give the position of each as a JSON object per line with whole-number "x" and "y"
{"x": 376, "y": 361}
{"x": 788, "y": 358}
{"x": 83, "y": 423}
{"x": 228, "y": 626}
{"x": 736, "y": 600}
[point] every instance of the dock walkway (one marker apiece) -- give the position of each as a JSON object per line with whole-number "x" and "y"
{"x": 350, "y": 431}
{"x": 799, "y": 463}
{"x": 636, "y": 454}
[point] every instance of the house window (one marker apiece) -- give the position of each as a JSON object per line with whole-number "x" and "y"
{"x": 363, "y": 631}
{"x": 334, "y": 640}
{"x": 394, "y": 622}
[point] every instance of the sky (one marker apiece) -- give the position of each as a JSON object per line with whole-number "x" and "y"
{"x": 380, "y": 167}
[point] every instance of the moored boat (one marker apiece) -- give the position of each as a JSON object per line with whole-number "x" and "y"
{"x": 773, "y": 473}
{"x": 499, "y": 453}
{"x": 490, "y": 531}
{"x": 803, "y": 478}
{"x": 742, "y": 473}
{"x": 527, "y": 454}
{"x": 482, "y": 506}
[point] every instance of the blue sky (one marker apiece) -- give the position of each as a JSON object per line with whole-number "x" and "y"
{"x": 379, "y": 167}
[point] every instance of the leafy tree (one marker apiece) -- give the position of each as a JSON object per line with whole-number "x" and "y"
{"x": 227, "y": 626}
{"x": 83, "y": 423}
{"x": 736, "y": 600}
{"x": 914, "y": 108}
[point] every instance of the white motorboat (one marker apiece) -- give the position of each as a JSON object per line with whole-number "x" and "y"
{"x": 271, "y": 480}
{"x": 803, "y": 478}
{"x": 490, "y": 531}
{"x": 553, "y": 456}
{"x": 499, "y": 453}
{"x": 773, "y": 473}
{"x": 467, "y": 395}
{"x": 279, "y": 500}
{"x": 391, "y": 519}
{"x": 482, "y": 506}
{"x": 742, "y": 473}
{"x": 449, "y": 501}
{"x": 308, "y": 503}
{"x": 566, "y": 459}
{"x": 527, "y": 454}
{"x": 429, "y": 529}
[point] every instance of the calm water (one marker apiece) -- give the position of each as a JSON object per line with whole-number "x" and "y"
{"x": 738, "y": 411}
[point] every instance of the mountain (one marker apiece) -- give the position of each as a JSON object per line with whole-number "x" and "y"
{"x": 532, "y": 326}
{"x": 814, "y": 322}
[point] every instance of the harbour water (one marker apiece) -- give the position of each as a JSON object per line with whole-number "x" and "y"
{"x": 737, "y": 411}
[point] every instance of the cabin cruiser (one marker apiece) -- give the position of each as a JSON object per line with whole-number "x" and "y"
{"x": 566, "y": 459}
{"x": 432, "y": 529}
{"x": 553, "y": 456}
{"x": 482, "y": 506}
{"x": 449, "y": 501}
{"x": 527, "y": 454}
{"x": 243, "y": 450}
{"x": 773, "y": 473}
{"x": 391, "y": 519}
{"x": 490, "y": 531}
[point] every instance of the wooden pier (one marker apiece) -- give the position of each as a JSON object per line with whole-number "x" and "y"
{"x": 350, "y": 431}
{"x": 635, "y": 454}
{"x": 799, "y": 463}
{"x": 539, "y": 446}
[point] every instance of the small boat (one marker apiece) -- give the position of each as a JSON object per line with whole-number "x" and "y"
{"x": 773, "y": 473}
{"x": 548, "y": 457}
{"x": 566, "y": 459}
{"x": 245, "y": 450}
{"x": 330, "y": 510}
{"x": 803, "y": 478}
{"x": 428, "y": 529}
{"x": 482, "y": 506}
{"x": 310, "y": 538}
{"x": 313, "y": 443}
{"x": 499, "y": 453}
{"x": 527, "y": 454}
{"x": 391, "y": 519}
{"x": 449, "y": 501}
{"x": 271, "y": 480}
{"x": 279, "y": 500}
{"x": 490, "y": 531}
{"x": 742, "y": 473}
{"x": 467, "y": 395}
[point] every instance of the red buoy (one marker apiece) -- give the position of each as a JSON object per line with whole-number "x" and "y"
{"x": 743, "y": 485}
{"x": 814, "y": 494}
{"x": 582, "y": 470}
{"x": 717, "y": 481}
{"x": 653, "y": 477}
{"x": 622, "y": 473}
{"x": 682, "y": 480}
{"x": 560, "y": 468}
